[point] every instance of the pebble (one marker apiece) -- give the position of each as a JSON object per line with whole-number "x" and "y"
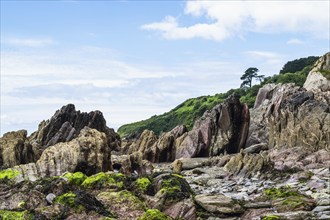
{"x": 50, "y": 197}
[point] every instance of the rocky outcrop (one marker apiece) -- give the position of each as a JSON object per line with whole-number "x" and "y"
{"x": 66, "y": 124}
{"x": 223, "y": 129}
{"x": 288, "y": 116}
{"x": 88, "y": 153}
{"x": 15, "y": 149}
{"x": 315, "y": 80}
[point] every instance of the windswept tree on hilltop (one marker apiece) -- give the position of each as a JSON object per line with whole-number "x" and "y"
{"x": 248, "y": 76}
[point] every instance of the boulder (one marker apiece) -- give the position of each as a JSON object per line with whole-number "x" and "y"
{"x": 15, "y": 149}
{"x": 218, "y": 204}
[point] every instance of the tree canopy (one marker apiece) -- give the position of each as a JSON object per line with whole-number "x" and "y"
{"x": 248, "y": 76}
{"x": 298, "y": 64}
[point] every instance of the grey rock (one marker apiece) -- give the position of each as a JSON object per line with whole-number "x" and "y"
{"x": 50, "y": 197}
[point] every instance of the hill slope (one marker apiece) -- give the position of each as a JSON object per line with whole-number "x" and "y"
{"x": 188, "y": 111}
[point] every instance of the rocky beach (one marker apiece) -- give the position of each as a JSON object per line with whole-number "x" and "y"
{"x": 267, "y": 162}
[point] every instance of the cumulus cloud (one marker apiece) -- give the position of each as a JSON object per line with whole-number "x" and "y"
{"x": 232, "y": 18}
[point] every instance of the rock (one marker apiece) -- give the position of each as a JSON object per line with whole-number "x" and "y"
{"x": 290, "y": 117}
{"x": 184, "y": 209}
{"x": 66, "y": 125}
{"x": 315, "y": 80}
{"x": 144, "y": 143}
{"x": 123, "y": 204}
{"x": 15, "y": 149}
{"x": 245, "y": 165}
{"x": 289, "y": 215}
{"x": 88, "y": 153}
{"x": 219, "y": 204}
{"x": 132, "y": 163}
{"x": 50, "y": 197}
{"x": 256, "y": 148}
{"x": 222, "y": 129}
{"x": 321, "y": 208}
{"x": 177, "y": 166}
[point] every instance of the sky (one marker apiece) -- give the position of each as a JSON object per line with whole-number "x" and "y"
{"x": 135, "y": 59}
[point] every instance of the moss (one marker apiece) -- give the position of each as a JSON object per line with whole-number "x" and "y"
{"x": 143, "y": 183}
{"x": 21, "y": 204}
{"x": 8, "y": 174}
{"x": 11, "y": 215}
{"x": 66, "y": 199}
{"x": 282, "y": 192}
{"x": 76, "y": 178}
{"x": 154, "y": 214}
{"x": 173, "y": 188}
{"x": 102, "y": 179}
{"x": 271, "y": 217}
{"x": 177, "y": 175}
{"x": 69, "y": 199}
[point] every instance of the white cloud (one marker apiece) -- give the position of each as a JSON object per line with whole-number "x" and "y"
{"x": 232, "y": 18}
{"x": 295, "y": 41}
{"x": 29, "y": 42}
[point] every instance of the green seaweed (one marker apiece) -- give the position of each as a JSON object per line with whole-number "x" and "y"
{"x": 11, "y": 215}
{"x": 102, "y": 179}
{"x": 143, "y": 183}
{"x": 76, "y": 178}
{"x": 271, "y": 217}
{"x": 154, "y": 214}
{"x": 8, "y": 175}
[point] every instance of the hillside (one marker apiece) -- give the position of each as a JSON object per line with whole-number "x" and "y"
{"x": 188, "y": 111}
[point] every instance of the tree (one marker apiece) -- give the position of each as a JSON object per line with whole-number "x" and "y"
{"x": 298, "y": 64}
{"x": 248, "y": 76}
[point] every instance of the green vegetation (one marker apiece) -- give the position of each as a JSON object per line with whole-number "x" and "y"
{"x": 248, "y": 76}
{"x": 154, "y": 214}
{"x": 326, "y": 73}
{"x": 11, "y": 215}
{"x": 66, "y": 199}
{"x": 174, "y": 188}
{"x": 76, "y": 178}
{"x": 143, "y": 183}
{"x": 8, "y": 175}
{"x": 186, "y": 113}
{"x": 123, "y": 197}
{"x": 283, "y": 192}
{"x": 271, "y": 217}
{"x": 102, "y": 179}
{"x": 298, "y": 64}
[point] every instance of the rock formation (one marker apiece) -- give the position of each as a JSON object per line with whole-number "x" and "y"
{"x": 15, "y": 149}
{"x": 288, "y": 116}
{"x": 88, "y": 153}
{"x": 223, "y": 129}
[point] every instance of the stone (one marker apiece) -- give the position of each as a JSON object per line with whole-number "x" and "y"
{"x": 256, "y": 148}
{"x": 177, "y": 166}
{"x": 184, "y": 209}
{"x": 321, "y": 208}
{"x": 15, "y": 149}
{"x": 50, "y": 197}
{"x": 218, "y": 204}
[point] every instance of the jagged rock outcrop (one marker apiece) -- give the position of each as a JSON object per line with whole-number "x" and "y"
{"x": 315, "y": 80}
{"x": 66, "y": 124}
{"x": 289, "y": 116}
{"x": 156, "y": 149}
{"x": 15, "y": 149}
{"x": 88, "y": 153}
{"x": 223, "y": 129}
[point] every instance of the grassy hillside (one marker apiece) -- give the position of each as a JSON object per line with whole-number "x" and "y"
{"x": 187, "y": 112}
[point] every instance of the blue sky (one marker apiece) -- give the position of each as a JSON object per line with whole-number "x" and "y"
{"x": 135, "y": 59}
